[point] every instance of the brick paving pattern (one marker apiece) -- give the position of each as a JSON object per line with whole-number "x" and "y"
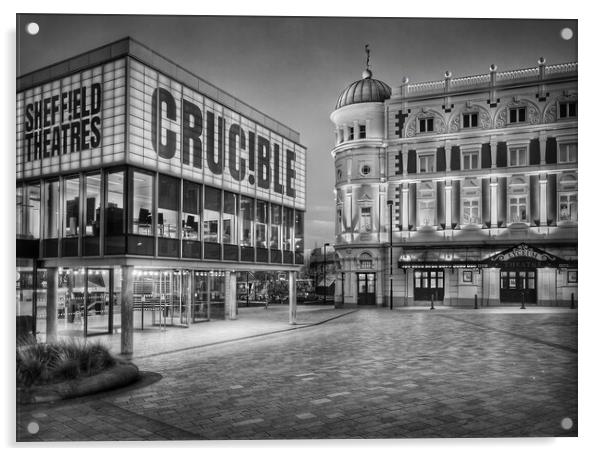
{"x": 373, "y": 373}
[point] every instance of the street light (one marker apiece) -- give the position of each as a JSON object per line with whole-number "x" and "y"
{"x": 390, "y": 204}
{"x": 323, "y": 270}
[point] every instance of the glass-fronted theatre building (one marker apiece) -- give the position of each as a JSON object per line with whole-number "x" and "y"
{"x": 142, "y": 193}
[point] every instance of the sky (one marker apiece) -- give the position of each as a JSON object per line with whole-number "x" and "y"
{"x": 294, "y": 68}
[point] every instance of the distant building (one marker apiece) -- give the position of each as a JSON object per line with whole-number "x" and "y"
{"x": 479, "y": 174}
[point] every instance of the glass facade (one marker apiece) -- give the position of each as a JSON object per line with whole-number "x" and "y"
{"x": 151, "y": 214}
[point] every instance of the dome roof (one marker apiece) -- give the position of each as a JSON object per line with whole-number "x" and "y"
{"x": 366, "y": 90}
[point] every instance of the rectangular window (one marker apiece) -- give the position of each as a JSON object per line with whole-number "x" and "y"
{"x": 230, "y": 218}
{"x": 261, "y": 224}
{"x": 190, "y": 211}
{"x": 350, "y": 133}
{"x": 51, "y": 204}
{"x": 142, "y": 191}
{"x": 426, "y": 163}
{"x": 114, "y": 217}
{"x": 567, "y": 207}
{"x": 362, "y": 131}
{"x": 567, "y": 109}
{"x": 426, "y": 125}
{"x": 470, "y": 120}
{"x": 92, "y": 206}
{"x": 28, "y": 211}
{"x": 247, "y": 216}
{"x": 168, "y": 207}
{"x": 470, "y": 212}
{"x": 518, "y": 209}
{"x": 365, "y": 264}
{"x": 567, "y": 153}
{"x": 211, "y": 214}
{"x": 426, "y": 212}
{"x": 470, "y": 160}
{"x": 365, "y": 219}
{"x": 518, "y": 156}
{"x": 275, "y": 226}
{"x": 339, "y": 219}
{"x": 299, "y": 234}
{"x": 71, "y": 207}
{"x": 518, "y": 115}
{"x": 287, "y": 228}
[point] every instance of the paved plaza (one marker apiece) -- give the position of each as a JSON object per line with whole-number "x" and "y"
{"x": 370, "y": 373}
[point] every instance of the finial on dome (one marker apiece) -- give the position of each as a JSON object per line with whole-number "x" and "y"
{"x": 367, "y": 74}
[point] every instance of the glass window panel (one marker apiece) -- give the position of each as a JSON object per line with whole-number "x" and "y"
{"x": 230, "y": 218}
{"x": 51, "y": 204}
{"x": 299, "y": 233}
{"x": 247, "y": 216}
{"x": 92, "y": 206}
{"x": 275, "y": 226}
{"x": 190, "y": 211}
{"x": 20, "y": 211}
{"x": 261, "y": 220}
{"x": 167, "y": 210}
{"x": 142, "y": 191}
{"x": 211, "y": 214}
{"x": 114, "y": 204}
{"x": 287, "y": 228}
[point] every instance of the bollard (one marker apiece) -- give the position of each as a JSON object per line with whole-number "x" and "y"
{"x": 432, "y": 303}
{"x": 572, "y": 300}
{"x": 523, "y": 301}
{"x": 475, "y": 302}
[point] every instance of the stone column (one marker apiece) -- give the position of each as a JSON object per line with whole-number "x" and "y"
{"x": 231, "y": 303}
{"x": 493, "y": 201}
{"x": 543, "y": 203}
{"x": 448, "y": 204}
{"x": 447, "y": 157}
{"x": 543, "y": 140}
{"x": 127, "y": 310}
{"x": 493, "y": 153}
{"x": 405, "y": 216}
{"x": 292, "y": 297}
{"x": 404, "y": 159}
{"x": 51, "y": 300}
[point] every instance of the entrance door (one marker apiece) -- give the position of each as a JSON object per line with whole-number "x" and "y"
{"x": 428, "y": 283}
{"x": 365, "y": 289}
{"x": 98, "y": 305}
{"x": 516, "y": 282}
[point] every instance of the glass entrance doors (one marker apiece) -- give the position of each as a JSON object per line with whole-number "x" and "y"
{"x": 98, "y": 305}
{"x": 366, "y": 294}
{"x": 516, "y": 283}
{"x": 428, "y": 283}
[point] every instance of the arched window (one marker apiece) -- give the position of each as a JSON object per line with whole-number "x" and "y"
{"x": 365, "y": 261}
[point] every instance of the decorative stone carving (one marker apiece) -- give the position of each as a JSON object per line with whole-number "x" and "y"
{"x": 533, "y": 114}
{"x": 484, "y": 118}
{"x": 412, "y": 125}
{"x": 550, "y": 113}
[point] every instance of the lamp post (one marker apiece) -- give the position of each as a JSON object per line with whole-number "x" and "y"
{"x": 390, "y": 204}
{"x": 324, "y": 271}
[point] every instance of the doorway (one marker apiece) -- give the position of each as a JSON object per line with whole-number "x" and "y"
{"x": 429, "y": 283}
{"x": 514, "y": 283}
{"x": 366, "y": 296}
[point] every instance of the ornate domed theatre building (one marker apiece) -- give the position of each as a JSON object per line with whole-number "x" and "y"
{"x": 459, "y": 192}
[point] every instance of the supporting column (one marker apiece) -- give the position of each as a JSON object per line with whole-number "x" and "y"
{"x": 493, "y": 201}
{"x": 543, "y": 140}
{"x": 230, "y": 297}
{"x": 405, "y": 216}
{"x": 447, "y": 157}
{"x": 51, "y": 299}
{"x": 292, "y": 297}
{"x": 404, "y": 158}
{"x": 493, "y": 153}
{"x": 543, "y": 203}
{"x": 448, "y": 204}
{"x": 127, "y": 310}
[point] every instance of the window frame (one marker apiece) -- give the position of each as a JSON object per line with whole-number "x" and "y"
{"x": 429, "y": 127}
{"x": 568, "y": 194}
{"x": 516, "y": 148}
{"x": 471, "y": 152}
{"x": 366, "y": 216}
{"x": 567, "y": 144}
{"x": 426, "y": 154}
{"x": 517, "y": 109}
{"x": 567, "y": 109}
{"x": 469, "y": 115}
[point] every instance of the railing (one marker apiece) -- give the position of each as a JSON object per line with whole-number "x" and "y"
{"x": 492, "y": 79}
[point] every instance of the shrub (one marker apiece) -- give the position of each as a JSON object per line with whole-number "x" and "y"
{"x": 67, "y": 359}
